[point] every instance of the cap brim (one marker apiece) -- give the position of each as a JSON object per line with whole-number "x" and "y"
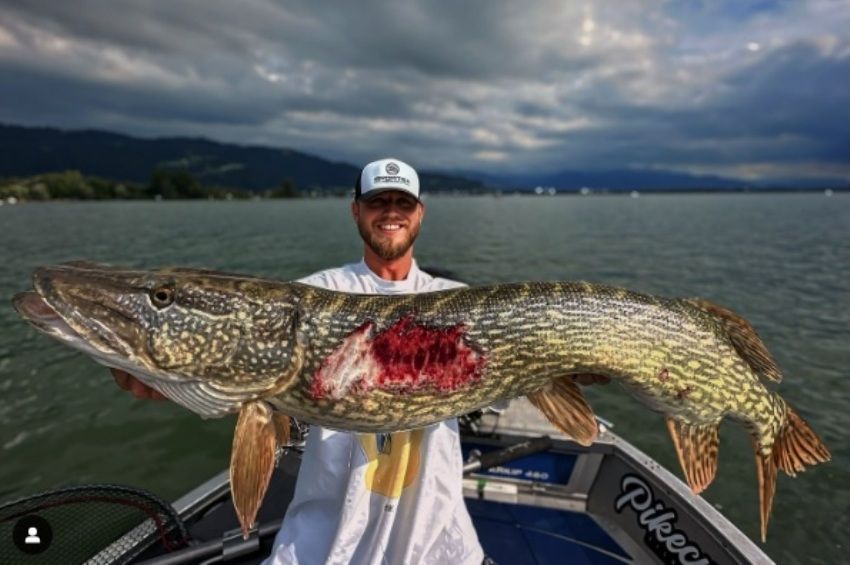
{"x": 376, "y": 191}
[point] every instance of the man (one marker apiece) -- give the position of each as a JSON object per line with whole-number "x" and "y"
{"x": 359, "y": 499}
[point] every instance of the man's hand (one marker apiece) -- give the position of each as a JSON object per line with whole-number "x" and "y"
{"x": 591, "y": 379}
{"x": 137, "y": 388}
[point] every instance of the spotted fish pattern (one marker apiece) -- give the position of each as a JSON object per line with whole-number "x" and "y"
{"x": 220, "y": 343}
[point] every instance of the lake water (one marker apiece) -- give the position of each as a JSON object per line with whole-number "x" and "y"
{"x": 782, "y": 261}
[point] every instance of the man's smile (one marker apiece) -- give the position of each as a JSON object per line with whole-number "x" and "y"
{"x": 390, "y": 227}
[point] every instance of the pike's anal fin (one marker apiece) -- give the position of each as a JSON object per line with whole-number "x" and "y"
{"x": 563, "y": 404}
{"x": 696, "y": 447}
{"x": 252, "y": 460}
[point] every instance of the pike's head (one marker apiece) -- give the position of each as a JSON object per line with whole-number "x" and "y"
{"x": 210, "y": 341}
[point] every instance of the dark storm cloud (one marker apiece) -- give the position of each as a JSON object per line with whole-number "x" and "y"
{"x": 486, "y": 85}
{"x": 792, "y": 105}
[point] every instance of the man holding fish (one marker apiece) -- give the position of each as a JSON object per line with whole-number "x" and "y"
{"x": 358, "y": 499}
{"x": 367, "y": 348}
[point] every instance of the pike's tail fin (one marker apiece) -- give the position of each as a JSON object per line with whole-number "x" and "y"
{"x": 563, "y": 404}
{"x": 796, "y": 446}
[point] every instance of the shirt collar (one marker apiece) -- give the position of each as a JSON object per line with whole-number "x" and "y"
{"x": 402, "y": 286}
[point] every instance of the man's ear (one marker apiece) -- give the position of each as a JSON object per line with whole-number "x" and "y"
{"x": 355, "y": 211}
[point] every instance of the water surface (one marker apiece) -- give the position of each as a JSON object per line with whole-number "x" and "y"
{"x": 782, "y": 261}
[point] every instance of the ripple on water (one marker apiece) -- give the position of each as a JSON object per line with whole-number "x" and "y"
{"x": 782, "y": 261}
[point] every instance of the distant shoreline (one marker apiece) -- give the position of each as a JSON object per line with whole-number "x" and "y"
{"x": 73, "y": 185}
{"x": 10, "y": 201}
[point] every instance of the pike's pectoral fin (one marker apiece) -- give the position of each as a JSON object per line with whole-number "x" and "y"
{"x": 563, "y": 404}
{"x": 696, "y": 447}
{"x": 281, "y": 426}
{"x": 744, "y": 338}
{"x": 252, "y": 460}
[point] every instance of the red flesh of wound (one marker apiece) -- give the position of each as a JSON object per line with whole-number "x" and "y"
{"x": 405, "y": 357}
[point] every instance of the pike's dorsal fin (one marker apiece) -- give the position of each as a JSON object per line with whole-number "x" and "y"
{"x": 563, "y": 404}
{"x": 696, "y": 448}
{"x": 744, "y": 338}
{"x": 252, "y": 460}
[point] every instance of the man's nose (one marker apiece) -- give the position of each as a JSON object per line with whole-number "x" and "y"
{"x": 394, "y": 205}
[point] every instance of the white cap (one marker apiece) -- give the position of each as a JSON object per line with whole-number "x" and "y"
{"x": 386, "y": 174}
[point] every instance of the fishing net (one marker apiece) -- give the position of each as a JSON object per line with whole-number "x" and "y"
{"x": 87, "y": 524}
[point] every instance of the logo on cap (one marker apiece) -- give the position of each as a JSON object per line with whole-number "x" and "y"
{"x": 392, "y": 168}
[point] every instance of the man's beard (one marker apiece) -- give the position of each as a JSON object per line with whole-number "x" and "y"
{"x": 388, "y": 250}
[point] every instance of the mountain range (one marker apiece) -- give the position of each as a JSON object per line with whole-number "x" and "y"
{"x": 26, "y": 151}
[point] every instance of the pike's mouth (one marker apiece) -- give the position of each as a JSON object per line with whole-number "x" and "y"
{"x": 41, "y": 315}
{"x": 34, "y": 309}
{"x": 67, "y": 325}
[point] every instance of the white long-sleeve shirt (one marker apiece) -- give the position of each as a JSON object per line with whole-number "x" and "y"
{"x": 344, "y": 512}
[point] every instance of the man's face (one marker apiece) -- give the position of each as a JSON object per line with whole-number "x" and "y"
{"x": 388, "y": 222}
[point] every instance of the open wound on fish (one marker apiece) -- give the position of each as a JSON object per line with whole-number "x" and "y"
{"x": 744, "y": 338}
{"x": 252, "y": 460}
{"x": 405, "y": 357}
{"x": 696, "y": 447}
{"x": 563, "y": 404}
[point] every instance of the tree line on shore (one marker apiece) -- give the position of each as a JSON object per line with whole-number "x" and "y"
{"x": 164, "y": 184}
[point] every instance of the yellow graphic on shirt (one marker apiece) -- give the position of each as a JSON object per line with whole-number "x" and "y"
{"x": 394, "y": 467}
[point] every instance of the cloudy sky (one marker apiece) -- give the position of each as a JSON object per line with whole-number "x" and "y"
{"x": 755, "y": 89}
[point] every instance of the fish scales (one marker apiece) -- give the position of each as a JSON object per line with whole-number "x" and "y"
{"x": 550, "y": 330}
{"x": 219, "y": 343}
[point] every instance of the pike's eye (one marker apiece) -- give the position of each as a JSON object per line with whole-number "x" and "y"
{"x": 162, "y": 296}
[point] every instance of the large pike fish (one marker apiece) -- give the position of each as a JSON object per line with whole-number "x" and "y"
{"x": 218, "y": 343}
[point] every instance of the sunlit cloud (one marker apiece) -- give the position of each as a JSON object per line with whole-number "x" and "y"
{"x": 7, "y": 40}
{"x": 490, "y": 156}
{"x": 268, "y": 75}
